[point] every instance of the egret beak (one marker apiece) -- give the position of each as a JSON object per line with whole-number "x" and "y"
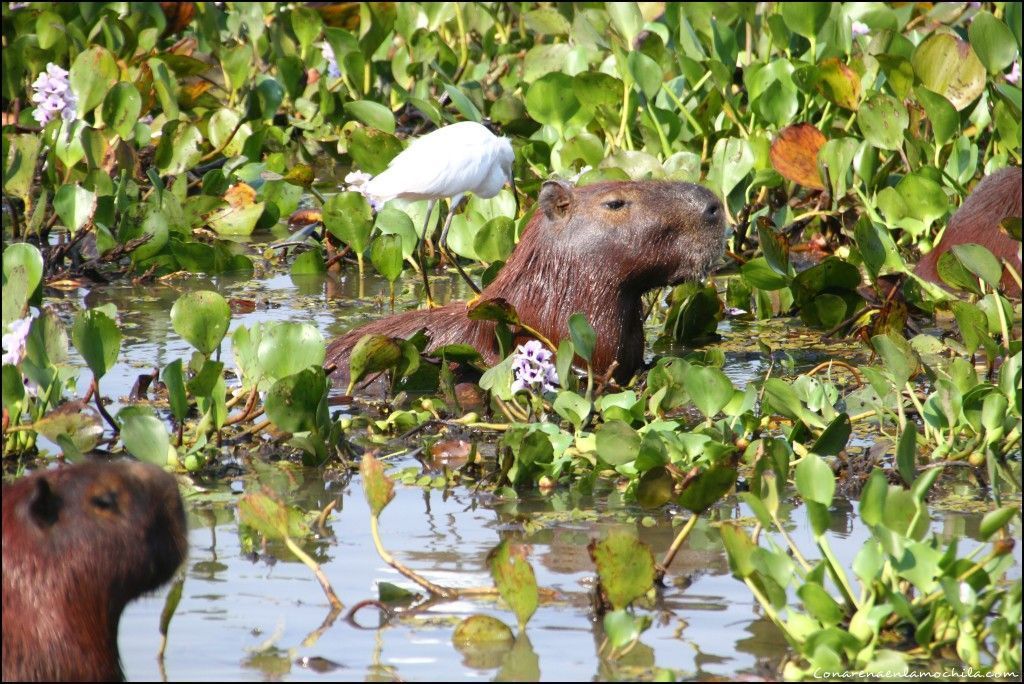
{"x": 515, "y": 194}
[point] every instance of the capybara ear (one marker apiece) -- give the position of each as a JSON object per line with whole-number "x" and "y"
{"x": 44, "y": 504}
{"x": 556, "y": 199}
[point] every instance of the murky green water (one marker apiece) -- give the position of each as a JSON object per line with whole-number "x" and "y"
{"x": 247, "y": 616}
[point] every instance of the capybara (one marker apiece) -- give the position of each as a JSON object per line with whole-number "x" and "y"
{"x": 80, "y": 542}
{"x": 977, "y": 220}
{"x": 592, "y": 250}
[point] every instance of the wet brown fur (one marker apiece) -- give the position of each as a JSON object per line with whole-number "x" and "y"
{"x": 578, "y": 254}
{"x": 996, "y": 197}
{"x": 79, "y": 543}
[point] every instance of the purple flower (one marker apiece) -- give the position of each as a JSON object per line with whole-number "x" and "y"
{"x": 332, "y": 63}
{"x": 532, "y": 368}
{"x": 53, "y": 96}
{"x": 859, "y": 28}
{"x": 15, "y": 341}
{"x": 1014, "y": 75}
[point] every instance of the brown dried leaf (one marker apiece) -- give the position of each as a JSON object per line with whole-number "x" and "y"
{"x": 794, "y": 154}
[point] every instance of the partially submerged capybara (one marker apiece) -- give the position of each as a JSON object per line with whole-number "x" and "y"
{"x": 977, "y": 220}
{"x": 592, "y": 250}
{"x": 79, "y": 543}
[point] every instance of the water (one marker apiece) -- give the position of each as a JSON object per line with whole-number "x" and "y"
{"x": 244, "y": 617}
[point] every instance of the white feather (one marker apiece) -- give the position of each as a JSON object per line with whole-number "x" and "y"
{"x": 463, "y": 157}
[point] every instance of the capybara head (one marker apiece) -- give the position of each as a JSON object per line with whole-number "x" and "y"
{"x": 79, "y": 543}
{"x": 649, "y": 234}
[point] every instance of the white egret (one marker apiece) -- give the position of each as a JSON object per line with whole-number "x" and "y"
{"x": 449, "y": 162}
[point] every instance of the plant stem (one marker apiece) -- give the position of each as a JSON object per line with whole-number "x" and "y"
{"x": 677, "y": 543}
{"x": 325, "y": 584}
{"x": 436, "y": 590}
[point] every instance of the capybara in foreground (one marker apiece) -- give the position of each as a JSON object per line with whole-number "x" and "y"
{"x": 592, "y": 250}
{"x": 79, "y": 543}
{"x": 977, "y": 220}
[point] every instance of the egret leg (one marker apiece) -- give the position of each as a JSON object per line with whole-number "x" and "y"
{"x": 421, "y": 245}
{"x": 443, "y": 244}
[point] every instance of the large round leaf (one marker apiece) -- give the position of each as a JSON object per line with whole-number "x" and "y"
{"x": 948, "y": 66}
{"x": 286, "y": 348}
{"x": 144, "y": 434}
{"x": 292, "y": 401}
{"x": 883, "y": 120}
{"x": 98, "y": 339}
{"x": 201, "y": 318}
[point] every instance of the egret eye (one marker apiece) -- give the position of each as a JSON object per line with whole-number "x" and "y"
{"x": 615, "y": 204}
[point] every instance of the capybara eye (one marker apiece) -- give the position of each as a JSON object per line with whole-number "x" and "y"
{"x": 712, "y": 210}
{"x": 615, "y": 204}
{"x": 106, "y": 501}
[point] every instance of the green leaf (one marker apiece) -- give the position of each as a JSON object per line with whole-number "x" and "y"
{"x": 941, "y": 114}
{"x": 92, "y": 74}
{"x": 834, "y": 438}
{"x": 201, "y": 318}
{"x": 626, "y": 18}
{"x": 551, "y": 100}
{"x": 979, "y": 261}
{"x": 709, "y": 389}
{"x": 75, "y": 206}
{"x": 906, "y": 454}
{"x": 645, "y": 72}
{"x": 731, "y": 161}
{"x": 805, "y": 18}
{"x": 386, "y": 256}
{"x": 992, "y": 41}
{"x": 349, "y": 218}
{"x": 883, "y": 120}
{"x": 372, "y": 354}
{"x": 739, "y": 548}
{"x": 617, "y": 443}
{"x": 98, "y": 339}
{"x": 655, "y": 487}
{"x": 706, "y": 489}
{"x": 179, "y": 148}
{"x": 377, "y": 486}
{"x": 463, "y": 103}
{"x": 174, "y": 378}
{"x": 621, "y": 627}
{"x": 271, "y": 518}
{"x": 582, "y": 335}
{"x": 514, "y": 579}
{"x": 495, "y": 240}
{"x": 372, "y": 114}
{"x": 287, "y": 348}
{"x": 898, "y": 358}
{"x": 292, "y": 402}
{"x": 22, "y": 277}
{"x": 20, "y": 164}
{"x": 121, "y": 109}
{"x": 73, "y": 426}
{"x": 820, "y": 604}
{"x": 144, "y": 434}
{"x": 948, "y": 66}
{"x": 625, "y": 567}
{"x": 814, "y": 480}
{"x": 482, "y": 631}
